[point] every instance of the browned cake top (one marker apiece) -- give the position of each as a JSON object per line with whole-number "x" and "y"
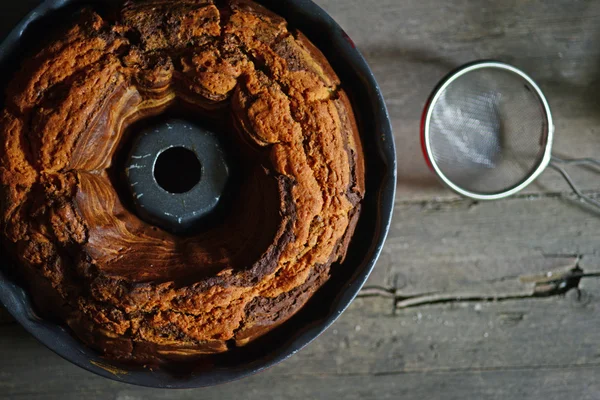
{"x": 120, "y": 282}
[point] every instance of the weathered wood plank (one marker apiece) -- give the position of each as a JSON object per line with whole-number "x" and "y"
{"x": 552, "y": 384}
{"x": 541, "y": 384}
{"x": 518, "y": 349}
{"x": 458, "y": 336}
{"x": 462, "y": 245}
{"x": 373, "y": 338}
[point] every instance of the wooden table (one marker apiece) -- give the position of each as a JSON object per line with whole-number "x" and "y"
{"x": 478, "y": 300}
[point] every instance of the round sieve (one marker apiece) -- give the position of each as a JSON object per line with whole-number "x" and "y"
{"x": 487, "y": 132}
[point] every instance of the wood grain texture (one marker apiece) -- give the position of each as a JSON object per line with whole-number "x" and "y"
{"x": 462, "y": 245}
{"x": 411, "y": 45}
{"x": 428, "y": 327}
{"x": 513, "y": 349}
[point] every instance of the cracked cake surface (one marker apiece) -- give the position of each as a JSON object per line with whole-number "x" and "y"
{"x": 127, "y": 288}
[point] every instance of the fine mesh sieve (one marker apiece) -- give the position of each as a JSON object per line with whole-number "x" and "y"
{"x": 487, "y": 132}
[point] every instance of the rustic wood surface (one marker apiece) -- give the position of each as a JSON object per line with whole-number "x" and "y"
{"x": 468, "y": 300}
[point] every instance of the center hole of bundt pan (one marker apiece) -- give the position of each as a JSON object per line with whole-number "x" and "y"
{"x": 177, "y": 170}
{"x": 176, "y": 173}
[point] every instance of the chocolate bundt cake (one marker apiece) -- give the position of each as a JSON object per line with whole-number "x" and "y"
{"x": 128, "y": 288}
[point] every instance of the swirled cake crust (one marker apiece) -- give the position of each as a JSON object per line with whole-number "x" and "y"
{"x": 127, "y": 288}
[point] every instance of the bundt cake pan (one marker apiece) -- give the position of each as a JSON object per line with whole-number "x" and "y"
{"x": 328, "y": 303}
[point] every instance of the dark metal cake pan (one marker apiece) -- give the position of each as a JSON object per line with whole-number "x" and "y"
{"x": 328, "y": 303}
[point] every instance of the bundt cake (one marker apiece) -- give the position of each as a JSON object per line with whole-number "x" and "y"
{"x": 132, "y": 290}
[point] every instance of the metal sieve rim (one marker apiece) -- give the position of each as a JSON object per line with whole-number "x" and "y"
{"x": 426, "y": 137}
